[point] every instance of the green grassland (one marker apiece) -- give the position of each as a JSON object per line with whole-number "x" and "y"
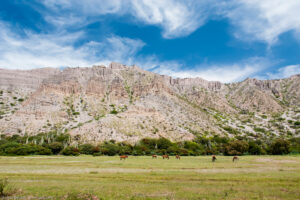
{"x": 141, "y": 177}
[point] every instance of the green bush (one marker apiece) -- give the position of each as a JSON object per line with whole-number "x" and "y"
{"x": 109, "y": 149}
{"x": 236, "y": 147}
{"x": 86, "y": 149}
{"x": 280, "y": 147}
{"x": 254, "y": 149}
{"x": 70, "y": 151}
{"x": 55, "y": 147}
{"x": 24, "y": 149}
{"x": 163, "y": 143}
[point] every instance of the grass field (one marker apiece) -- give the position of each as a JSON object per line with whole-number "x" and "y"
{"x": 252, "y": 177}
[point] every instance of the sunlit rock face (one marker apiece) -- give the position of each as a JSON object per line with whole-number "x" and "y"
{"x": 126, "y": 103}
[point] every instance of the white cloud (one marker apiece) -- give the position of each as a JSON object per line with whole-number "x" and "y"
{"x": 263, "y": 20}
{"x": 177, "y": 18}
{"x": 214, "y": 72}
{"x": 87, "y": 7}
{"x": 57, "y": 49}
{"x": 283, "y": 72}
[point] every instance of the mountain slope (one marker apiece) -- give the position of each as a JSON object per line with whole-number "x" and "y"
{"x": 127, "y": 103}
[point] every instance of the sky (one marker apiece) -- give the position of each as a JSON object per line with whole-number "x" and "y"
{"x": 218, "y": 40}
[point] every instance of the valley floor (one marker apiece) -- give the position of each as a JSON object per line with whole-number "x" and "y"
{"x": 252, "y": 177}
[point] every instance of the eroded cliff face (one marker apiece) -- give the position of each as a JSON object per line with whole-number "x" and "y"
{"x": 127, "y": 103}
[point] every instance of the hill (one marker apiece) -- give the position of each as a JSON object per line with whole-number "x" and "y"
{"x": 126, "y": 103}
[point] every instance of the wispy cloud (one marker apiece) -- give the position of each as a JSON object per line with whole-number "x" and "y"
{"x": 58, "y": 49}
{"x": 262, "y": 20}
{"x": 176, "y": 18}
{"x": 283, "y": 72}
{"x": 216, "y": 72}
{"x": 253, "y": 19}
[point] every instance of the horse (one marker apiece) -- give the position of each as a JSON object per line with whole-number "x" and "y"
{"x": 178, "y": 157}
{"x": 165, "y": 156}
{"x": 123, "y": 157}
{"x": 154, "y": 156}
{"x": 235, "y": 158}
{"x": 214, "y": 158}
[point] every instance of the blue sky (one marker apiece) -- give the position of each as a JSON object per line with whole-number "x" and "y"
{"x": 217, "y": 40}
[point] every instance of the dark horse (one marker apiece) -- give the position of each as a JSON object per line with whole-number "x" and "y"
{"x": 214, "y": 158}
{"x": 154, "y": 156}
{"x": 165, "y": 156}
{"x": 235, "y": 158}
{"x": 178, "y": 157}
{"x": 123, "y": 157}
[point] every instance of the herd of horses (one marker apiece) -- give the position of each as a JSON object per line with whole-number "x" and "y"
{"x": 213, "y": 159}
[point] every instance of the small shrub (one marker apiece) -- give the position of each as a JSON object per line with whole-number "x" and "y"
{"x": 3, "y": 186}
{"x": 109, "y": 149}
{"x": 280, "y": 147}
{"x": 55, "y": 147}
{"x": 86, "y": 149}
{"x": 114, "y": 112}
{"x": 6, "y": 189}
{"x": 70, "y": 151}
{"x": 237, "y": 147}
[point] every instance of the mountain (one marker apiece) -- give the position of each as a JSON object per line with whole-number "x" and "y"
{"x": 126, "y": 103}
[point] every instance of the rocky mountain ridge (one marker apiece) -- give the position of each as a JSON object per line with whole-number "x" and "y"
{"x": 127, "y": 103}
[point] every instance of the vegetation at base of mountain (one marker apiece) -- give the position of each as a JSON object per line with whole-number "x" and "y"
{"x": 54, "y": 143}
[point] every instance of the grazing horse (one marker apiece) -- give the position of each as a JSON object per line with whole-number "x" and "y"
{"x": 154, "y": 156}
{"x": 165, "y": 156}
{"x": 123, "y": 157}
{"x": 235, "y": 158}
{"x": 178, "y": 157}
{"x": 214, "y": 158}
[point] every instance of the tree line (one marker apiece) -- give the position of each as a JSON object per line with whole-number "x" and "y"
{"x": 61, "y": 144}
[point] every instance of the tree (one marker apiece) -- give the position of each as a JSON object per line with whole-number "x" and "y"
{"x": 86, "y": 149}
{"x": 55, "y": 147}
{"x": 254, "y": 148}
{"x": 109, "y": 149}
{"x": 163, "y": 143}
{"x": 279, "y": 147}
{"x": 70, "y": 151}
{"x": 236, "y": 147}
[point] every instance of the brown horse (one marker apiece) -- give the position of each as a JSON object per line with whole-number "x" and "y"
{"x": 214, "y": 158}
{"x": 178, "y": 157}
{"x": 235, "y": 158}
{"x": 165, "y": 156}
{"x": 123, "y": 157}
{"x": 154, "y": 156}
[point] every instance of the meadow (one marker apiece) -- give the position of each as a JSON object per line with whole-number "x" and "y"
{"x": 141, "y": 177}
